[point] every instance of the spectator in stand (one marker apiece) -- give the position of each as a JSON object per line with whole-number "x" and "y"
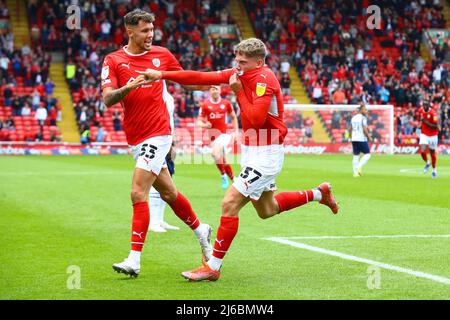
{"x": 49, "y": 86}
{"x": 26, "y": 110}
{"x": 16, "y": 106}
{"x": 116, "y": 121}
{"x": 317, "y": 93}
{"x": 9, "y": 124}
{"x": 100, "y": 134}
{"x": 85, "y": 135}
{"x": 339, "y": 97}
{"x": 4, "y": 65}
{"x": 384, "y": 95}
{"x": 35, "y": 99}
{"x": 83, "y": 119}
{"x": 52, "y": 116}
{"x": 285, "y": 83}
{"x": 285, "y": 66}
{"x": 106, "y": 30}
{"x": 7, "y": 95}
{"x": 41, "y": 115}
{"x": 40, "y": 135}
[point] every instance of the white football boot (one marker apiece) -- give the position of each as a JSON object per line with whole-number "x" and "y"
{"x": 167, "y": 226}
{"x": 128, "y": 267}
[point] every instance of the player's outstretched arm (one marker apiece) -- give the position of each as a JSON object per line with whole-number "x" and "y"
{"x": 187, "y": 77}
{"x": 112, "y": 96}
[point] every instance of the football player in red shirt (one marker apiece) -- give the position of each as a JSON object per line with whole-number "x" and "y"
{"x": 148, "y": 130}
{"x": 213, "y": 116}
{"x": 261, "y": 103}
{"x": 428, "y": 136}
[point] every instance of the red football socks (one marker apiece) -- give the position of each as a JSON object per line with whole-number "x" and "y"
{"x": 289, "y": 200}
{"x": 225, "y": 234}
{"x": 433, "y": 158}
{"x": 139, "y": 225}
{"x": 424, "y": 156}
{"x": 229, "y": 171}
{"x": 221, "y": 168}
{"x": 184, "y": 211}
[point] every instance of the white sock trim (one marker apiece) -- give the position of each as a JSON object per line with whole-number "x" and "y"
{"x": 317, "y": 195}
{"x": 215, "y": 263}
{"x": 135, "y": 256}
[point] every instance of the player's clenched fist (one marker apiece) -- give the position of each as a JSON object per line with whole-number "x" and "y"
{"x": 150, "y": 74}
{"x": 235, "y": 83}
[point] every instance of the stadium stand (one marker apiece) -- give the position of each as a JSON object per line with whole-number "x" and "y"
{"x": 338, "y": 59}
{"x": 28, "y": 110}
{"x": 342, "y": 61}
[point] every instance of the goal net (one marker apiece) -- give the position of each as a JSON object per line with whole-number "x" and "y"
{"x": 325, "y": 128}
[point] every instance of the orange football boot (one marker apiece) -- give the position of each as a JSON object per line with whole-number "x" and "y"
{"x": 327, "y": 197}
{"x": 202, "y": 273}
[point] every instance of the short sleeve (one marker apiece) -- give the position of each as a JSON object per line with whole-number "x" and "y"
{"x": 108, "y": 74}
{"x": 173, "y": 64}
{"x": 364, "y": 122}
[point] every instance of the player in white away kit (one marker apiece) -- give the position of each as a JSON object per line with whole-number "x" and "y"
{"x": 360, "y": 137}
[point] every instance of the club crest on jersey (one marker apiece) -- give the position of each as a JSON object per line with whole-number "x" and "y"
{"x": 260, "y": 89}
{"x": 105, "y": 72}
{"x": 156, "y": 62}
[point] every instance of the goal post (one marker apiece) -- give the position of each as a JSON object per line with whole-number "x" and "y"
{"x": 336, "y": 119}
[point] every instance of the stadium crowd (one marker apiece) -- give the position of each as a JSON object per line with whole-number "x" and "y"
{"x": 341, "y": 60}
{"x": 338, "y": 58}
{"x": 29, "y": 111}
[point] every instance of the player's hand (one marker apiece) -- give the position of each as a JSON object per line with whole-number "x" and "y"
{"x": 150, "y": 74}
{"x": 140, "y": 80}
{"x": 235, "y": 83}
{"x": 208, "y": 125}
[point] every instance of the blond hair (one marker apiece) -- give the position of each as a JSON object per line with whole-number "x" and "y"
{"x": 251, "y": 47}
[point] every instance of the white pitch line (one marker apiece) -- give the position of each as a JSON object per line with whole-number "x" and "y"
{"x": 362, "y": 260}
{"x": 68, "y": 173}
{"x": 372, "y": 236}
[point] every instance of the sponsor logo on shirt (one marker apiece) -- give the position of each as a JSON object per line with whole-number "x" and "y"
{"x": 260, "y": 89}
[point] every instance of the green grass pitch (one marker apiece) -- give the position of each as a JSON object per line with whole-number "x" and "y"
{"x": 58, "y": 212}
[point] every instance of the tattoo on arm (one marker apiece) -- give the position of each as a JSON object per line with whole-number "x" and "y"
{"x": 116, "y": 96}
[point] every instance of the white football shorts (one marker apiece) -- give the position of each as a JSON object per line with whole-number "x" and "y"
{"x": 150, "y": 155}
{"x": 223, "y": 140}
{"x": 431, "y": 141}
{"x": 260, "y": 165}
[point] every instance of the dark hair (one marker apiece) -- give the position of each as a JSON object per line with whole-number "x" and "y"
{"x": 132, "y": 18}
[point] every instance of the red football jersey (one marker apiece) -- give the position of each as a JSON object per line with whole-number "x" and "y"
{"x": 258, "y": 84}
{"x": 430, "y": 116}
{"x": 145, "y": 108}
{"x": 216, "y": 114}
{"x": 260, "y": 101}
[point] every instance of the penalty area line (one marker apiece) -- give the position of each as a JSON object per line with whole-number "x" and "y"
{"x": 345, "y": 256}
